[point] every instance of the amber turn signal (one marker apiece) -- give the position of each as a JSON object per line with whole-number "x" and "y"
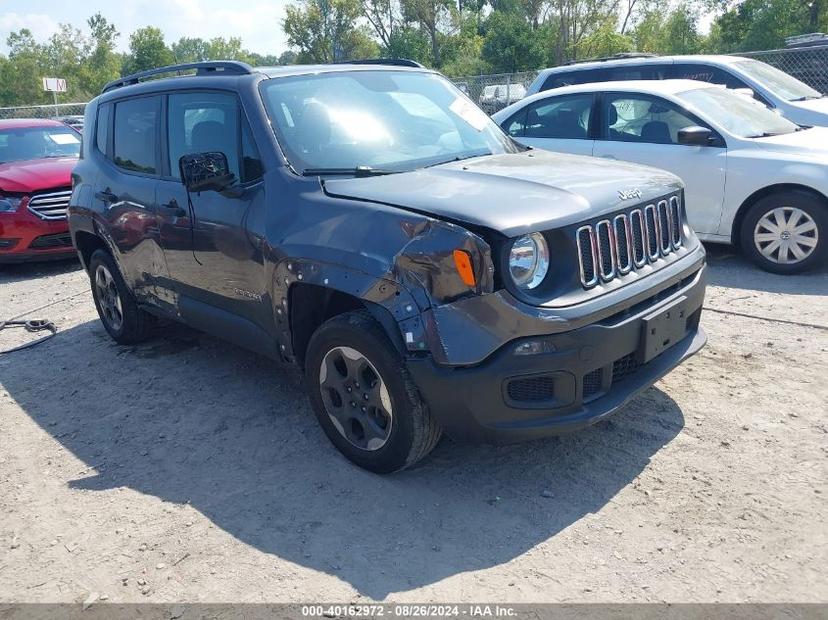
{"x": 462, "y": 261}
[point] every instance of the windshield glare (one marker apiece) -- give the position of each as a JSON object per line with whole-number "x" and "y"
{"x": 736, "y": 114}
{"x": 37, "y": 143}
{"x": 784, "y": 85}
{"x": 389, "y": 120}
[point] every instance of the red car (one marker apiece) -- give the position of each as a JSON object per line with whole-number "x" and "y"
{"x": 36, "y": 161}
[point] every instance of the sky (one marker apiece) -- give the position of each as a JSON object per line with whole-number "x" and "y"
{"x": 257, "y": 22}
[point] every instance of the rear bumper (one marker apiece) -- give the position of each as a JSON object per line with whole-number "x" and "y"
{"x": 583, "y": 376}
{"x": 25, "y": 237}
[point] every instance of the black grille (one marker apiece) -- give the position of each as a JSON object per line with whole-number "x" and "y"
{"x": 624, "y": 367}
{"x": 613, "y": 247}
{"x": 52, "y": 241}
{"x": 652, "y": 232}
{"x": 592, "y": 383}
{"x": 605, "y": 254}
{"x": 586, "y": 254}
{"x": 637, "y": 233}
{"x": 622, "y": 243}
{"x": 532, "y": 389}
{"x": 675, "y": 221}
{"x": 664, "y": 226}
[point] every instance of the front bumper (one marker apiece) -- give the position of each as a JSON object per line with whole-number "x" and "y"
{"x": 24, "y": 237}
{"x": 587, "y": 374}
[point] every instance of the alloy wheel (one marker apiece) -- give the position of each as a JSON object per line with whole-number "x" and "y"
{"x": 108, "y": 298}
{"x": 786, "y": 235}
{"x": 356, "y": 398}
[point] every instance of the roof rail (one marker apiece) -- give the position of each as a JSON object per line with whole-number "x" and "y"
{"x": 620, "y": 56}
{"x": 394, "y": 62}
{"x": 221, "y": 67}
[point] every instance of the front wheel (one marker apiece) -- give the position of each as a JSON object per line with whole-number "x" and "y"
{"x": 363, "y": 396}
{"x": 786, "y": 232}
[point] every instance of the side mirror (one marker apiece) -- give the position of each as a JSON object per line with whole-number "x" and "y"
{"x": 695, "y": 136}
{"x": 203, "y": 172}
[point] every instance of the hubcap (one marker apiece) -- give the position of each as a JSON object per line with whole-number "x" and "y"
{"x": 108, "y": 298}
{"x": 786, "y": 235}
{"x": 355, "y": 398}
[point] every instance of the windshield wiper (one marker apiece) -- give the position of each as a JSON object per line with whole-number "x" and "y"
{"x": 359, "y": 171}
{"x": 807, "y": 97}
{"x": 458, "y": 158}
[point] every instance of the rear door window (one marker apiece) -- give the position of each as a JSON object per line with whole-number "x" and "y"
{"x": 564, "y": 118}
{"x": 136, "y": 132}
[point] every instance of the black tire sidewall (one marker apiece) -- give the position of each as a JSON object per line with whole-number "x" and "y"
{"x": 100, "y": 257}
{"x": 805, "y": 201}
{"x": 364, "y": 337}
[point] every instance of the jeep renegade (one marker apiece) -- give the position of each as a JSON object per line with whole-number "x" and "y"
{"x": 369, "y": 224}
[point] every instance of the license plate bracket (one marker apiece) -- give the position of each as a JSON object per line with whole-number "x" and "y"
{"x": 662, "y": 329}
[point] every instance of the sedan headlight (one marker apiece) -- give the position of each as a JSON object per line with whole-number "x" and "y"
{"x": 9, "y": 204}
{"x": 529, "y": 261}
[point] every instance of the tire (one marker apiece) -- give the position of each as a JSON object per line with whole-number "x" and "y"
{"x": 381, "y": 430}
{"x": 119, "y": 312}
{"x": 793, "y": 223}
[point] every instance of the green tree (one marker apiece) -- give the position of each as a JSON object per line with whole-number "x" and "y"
{"x": 23, "y": 72}
{"x": 325, "y": 31}
{"x": 147, "y": 50}
{"x": 104, "y": 64}
{"x": 510, "y": 43}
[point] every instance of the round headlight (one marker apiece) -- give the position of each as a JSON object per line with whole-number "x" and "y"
{"x": 529, "y": 260}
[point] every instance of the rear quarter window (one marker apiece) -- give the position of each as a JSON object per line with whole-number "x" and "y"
{"x": 135, "y": 146}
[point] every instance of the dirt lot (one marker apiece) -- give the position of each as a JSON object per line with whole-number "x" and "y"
{"x": 186, "y": 469}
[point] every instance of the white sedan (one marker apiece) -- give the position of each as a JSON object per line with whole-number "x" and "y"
{"x": 753, "y": 178}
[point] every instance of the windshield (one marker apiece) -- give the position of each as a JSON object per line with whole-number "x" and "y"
{"x": 388, "y": 120}
{"x": 784, "y": 85}
{"x": 736, "y": 114}
{"x": 37, "y": 143}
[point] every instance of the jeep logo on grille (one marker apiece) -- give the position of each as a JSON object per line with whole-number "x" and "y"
{"x": 629, "y": 194}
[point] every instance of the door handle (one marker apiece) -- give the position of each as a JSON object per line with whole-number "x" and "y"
{"x": 609, "y": 156}
{"x": 172, "y": 208}
{"x": 106, "y": 196}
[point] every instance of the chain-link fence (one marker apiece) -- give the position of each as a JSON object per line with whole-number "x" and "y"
{"x": 495, "y": 92}
{"x": 60, "y": 110}
{"x": 807, "y": 64}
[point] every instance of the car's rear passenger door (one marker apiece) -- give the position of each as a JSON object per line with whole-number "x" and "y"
{"x": 128, "y": 134}
{"x": 562, "y": 123}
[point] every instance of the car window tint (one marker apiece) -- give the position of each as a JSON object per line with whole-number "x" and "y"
{"x": 251, "y": 167}
{"x": 136, "y": 134}
{"x": 203, "y": 123}
{"x": 570, "y": 78}
{"x": 102, "y": 127}
{"x": 561, "y": 117}
{"x": 630, "y": 118}
{"x": 706, "y": 73}
{"x": 516, "y": 125}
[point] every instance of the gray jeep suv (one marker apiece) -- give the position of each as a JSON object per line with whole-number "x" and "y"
{"x": 369, "y": 224}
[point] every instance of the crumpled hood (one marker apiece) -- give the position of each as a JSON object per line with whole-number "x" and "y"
{"x": 513, "y": 193}
{"x": 36, "y": 174}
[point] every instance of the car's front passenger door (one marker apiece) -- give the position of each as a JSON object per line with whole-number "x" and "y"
{"x": 644, "y": 129}
{"x": 555, "y": 124}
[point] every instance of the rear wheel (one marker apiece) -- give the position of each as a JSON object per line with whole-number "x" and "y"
{"x": 119, "y": 312}
{"x": 364, "y": 398}
{"x": 786, "y": 232}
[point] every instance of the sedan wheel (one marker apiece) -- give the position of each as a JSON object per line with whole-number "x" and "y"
{"x": 108, "y": 297}
{"x": 786, "y": 235}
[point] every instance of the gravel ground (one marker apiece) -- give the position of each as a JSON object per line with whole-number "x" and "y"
{"x": 189, "y": 470}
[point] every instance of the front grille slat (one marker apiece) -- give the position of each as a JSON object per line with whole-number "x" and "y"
{"x": 50, "y": 205}
{"x": 611, "y": 248}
